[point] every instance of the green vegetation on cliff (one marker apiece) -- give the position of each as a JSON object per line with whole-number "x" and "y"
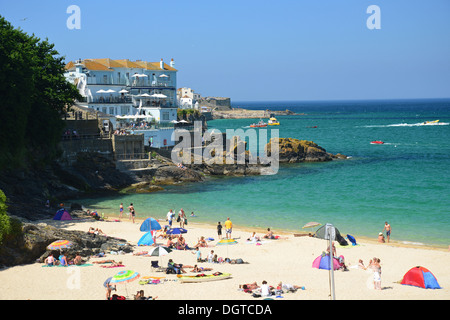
{"x": 34, "y": 95}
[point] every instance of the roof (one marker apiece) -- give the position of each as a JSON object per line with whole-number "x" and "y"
{"x": 107, "y": 64}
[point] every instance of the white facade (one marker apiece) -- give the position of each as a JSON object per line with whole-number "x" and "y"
{"x": 187, "y": 98}
{"x": 129, "y": 88}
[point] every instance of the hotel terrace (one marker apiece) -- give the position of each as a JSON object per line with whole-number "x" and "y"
{"x": 130, "y": 92}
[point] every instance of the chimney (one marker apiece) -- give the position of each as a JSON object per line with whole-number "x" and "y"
{"x": 172, "y": 63}
{"x": 161, "y": 64}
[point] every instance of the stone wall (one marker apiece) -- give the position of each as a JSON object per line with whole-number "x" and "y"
{"x": 218, "y": 103}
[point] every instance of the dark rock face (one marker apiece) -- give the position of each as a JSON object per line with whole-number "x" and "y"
{"x": 293, "y": 150}
{"x": 31, "y": 245}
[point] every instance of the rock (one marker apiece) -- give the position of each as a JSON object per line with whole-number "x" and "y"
{"x": 31, "y": 245}
{"x": 294, "y": 150}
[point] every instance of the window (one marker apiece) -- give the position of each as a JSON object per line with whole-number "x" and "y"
{"x": 105, "y": 79}
{"x": 165, "y": 115}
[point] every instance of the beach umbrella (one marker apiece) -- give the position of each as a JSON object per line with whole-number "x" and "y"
{"x": 123, "y": 91}
{"x": 329, "y": 232}
{"x": 107, "y": 281}
{"x": 176, "y": 231}
{"x": 124, "y": 276}
{"x": 159, "y": 251}
{"x": 311, "y": 225}
{"x": 101, "y": 91}
{"x": 59, "y": 244}
{"x": 225, "y": 242}
{"x": 150, "y": 224}
{"x": 183, "y": 121}
{"x": 110, "y": 91}
{"x": 145, "y": 95}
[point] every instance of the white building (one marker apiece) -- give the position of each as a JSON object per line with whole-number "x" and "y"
{"x": 130, "y": 91}
{"x": 187, "y": 98}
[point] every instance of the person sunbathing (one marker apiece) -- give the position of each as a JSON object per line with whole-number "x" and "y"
{"x": 269, "y": 234}
{"x": 200, "y": 269}
{"x": 249, "y": 286}
{"x": 201, "y": 242}
{"x": 254, "y": 237}
{"x": 78, "y": 260}
{"x": 289, "y": 287}
{"x": 104, "y": 261}
{"x": 141, "y": 253}
{"x": 95, "y": 231}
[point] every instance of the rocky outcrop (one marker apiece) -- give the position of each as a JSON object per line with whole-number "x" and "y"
{"x": 31, "y": 244}
{"x": 28, "y": 190}
{"x": 293, "y": 150}
{"x": 238, "y": 113}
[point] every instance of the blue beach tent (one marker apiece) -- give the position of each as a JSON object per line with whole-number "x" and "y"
{"x": 420, "y": 277}
{"x": 62, "y": 214}
{"x": 146, "y": 239}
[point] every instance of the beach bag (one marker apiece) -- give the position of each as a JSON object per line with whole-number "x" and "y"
{"x": 185, "y": 221}
{"x": 239, "y": 261}
{"x": 178, "y": 219}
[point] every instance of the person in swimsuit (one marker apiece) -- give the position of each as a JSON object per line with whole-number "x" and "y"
{"x": 376, "y": 268}
{"x": 388, "y": 229}
{"x": 120, "y": 211}
{"x": 132, "y": 212}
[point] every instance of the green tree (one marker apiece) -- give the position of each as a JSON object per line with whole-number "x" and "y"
{"x": 5, "y": 224}
{"x": 33, "y": 97}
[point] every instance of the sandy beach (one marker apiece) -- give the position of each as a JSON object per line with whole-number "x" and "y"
{"x": 288, "y": 259}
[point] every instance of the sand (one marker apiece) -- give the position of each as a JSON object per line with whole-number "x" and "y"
{"x": 288, "y": 259}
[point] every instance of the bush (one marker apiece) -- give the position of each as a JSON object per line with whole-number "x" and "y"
{"x": 5, "y": 223}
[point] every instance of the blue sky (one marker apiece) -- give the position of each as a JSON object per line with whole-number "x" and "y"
{"x": 262, "y": 50}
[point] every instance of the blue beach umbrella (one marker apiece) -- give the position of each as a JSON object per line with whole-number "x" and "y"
{"x": 176, "y": 231}
{"x": 150, "y": 224}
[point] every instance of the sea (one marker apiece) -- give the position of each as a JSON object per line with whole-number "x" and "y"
{"x": 405, "y": 181}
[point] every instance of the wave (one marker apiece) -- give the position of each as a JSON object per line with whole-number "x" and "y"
{"x": 420, "y": 124}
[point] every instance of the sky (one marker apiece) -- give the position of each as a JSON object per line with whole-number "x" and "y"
{"x": 262, "y": 50}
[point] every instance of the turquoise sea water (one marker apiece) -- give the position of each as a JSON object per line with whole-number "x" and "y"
{"x": 405, "y": 181}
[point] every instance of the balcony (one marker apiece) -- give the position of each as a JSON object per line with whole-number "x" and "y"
{"x": 138, "y": 82}
{"x": 107, "y": 99}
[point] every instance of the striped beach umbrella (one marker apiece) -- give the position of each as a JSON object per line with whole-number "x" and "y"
{"x": 59, "y": 244}
{"x": 225, "y": 242}
{"x": 125, "y": 276}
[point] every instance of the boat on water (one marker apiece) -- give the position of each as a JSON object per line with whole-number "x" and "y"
{"x": 377, "y": 142}
{"x": 260, "y": 124}
{"x": 204, "y": 277}
{"x": 431, "y": 122}
{"x": 273, "y": 122}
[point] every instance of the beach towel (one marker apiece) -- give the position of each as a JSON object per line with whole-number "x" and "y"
{"x": 70, "y": 265}
{"x": 118, "y": 266}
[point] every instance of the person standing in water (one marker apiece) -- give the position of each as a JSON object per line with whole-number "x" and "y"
{"x": 120, "y": 211}
{"x": 388, "y": 229}
{"x": 132, "y": 212}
